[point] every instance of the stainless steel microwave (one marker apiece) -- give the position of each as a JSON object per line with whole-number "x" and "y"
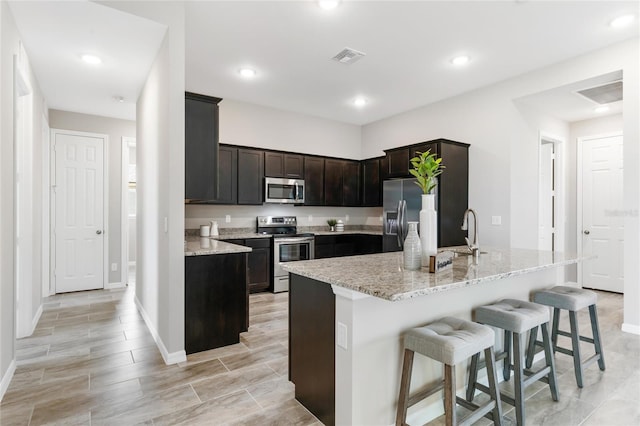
{"x": 283, "y": 191}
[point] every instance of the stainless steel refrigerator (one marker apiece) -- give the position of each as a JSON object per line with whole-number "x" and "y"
{"x": 402, "y": 202}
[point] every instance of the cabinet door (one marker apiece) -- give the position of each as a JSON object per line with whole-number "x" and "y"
{"x": 273, "y": 164}
{"x": 293, "y": 166}
{"x": 314, "y": 181}
{"x": 351, "y": 183}
{"x": 345, "y": 245}
{"x": 333, "y": 182}
{"x": 431, "y": 147}
{"x": 227, "y": 176}
{"x": 398, "y": 162}
{"x": 201, "y": 147}
{"x": 324, "y": 246}
{"x": 250, "y": 176}
{"x": 371, "y": 187}
{"x": 259, "y": 264}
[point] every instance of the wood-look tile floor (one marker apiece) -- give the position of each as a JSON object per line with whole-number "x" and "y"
{"x": 92, "y": 361}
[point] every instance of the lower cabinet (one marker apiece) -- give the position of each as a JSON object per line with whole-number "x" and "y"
{"x": 346, "y": 245}
{"x": 216, "y": 301}
{"x": 259, "y": 263}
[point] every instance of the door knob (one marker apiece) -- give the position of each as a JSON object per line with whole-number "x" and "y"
{"x": 99, "y": 232}
{"x": 586, "y": 232}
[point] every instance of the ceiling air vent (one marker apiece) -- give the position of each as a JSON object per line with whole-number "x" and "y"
{"x": 605, "y": 94}
{"x": 348, "y": 56}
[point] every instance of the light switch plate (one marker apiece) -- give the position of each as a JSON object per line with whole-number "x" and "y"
{"x": 114, "y": 267}
{"x": 346, "y": 218}
{"x": 341, "y": 338}
{"x": 310, "y": 218}
{"x": 227, "y": 218}
{"x": 496, "y": 220}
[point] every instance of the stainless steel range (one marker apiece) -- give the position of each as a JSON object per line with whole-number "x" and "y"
{"x": 288, "y": 245}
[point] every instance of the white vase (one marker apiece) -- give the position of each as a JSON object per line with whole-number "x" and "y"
{"x": 428, "y": 228}
{"x": 412, "y": 251}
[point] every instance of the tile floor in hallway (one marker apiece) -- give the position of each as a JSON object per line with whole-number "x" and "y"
{"x": 92, "y": 361}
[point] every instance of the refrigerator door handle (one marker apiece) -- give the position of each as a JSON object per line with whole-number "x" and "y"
{"x": 399, "y": 224}
{"x": 405, "y": 225}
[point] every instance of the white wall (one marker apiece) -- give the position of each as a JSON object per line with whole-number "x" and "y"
{"x": 503, "y": 153}
{"x": 115, "y": 128}
{"x": 262, "y": 127}
{"x": 160, "y": 186}
{"x": 32, "y": 163}
{"x": 581, "y": 129}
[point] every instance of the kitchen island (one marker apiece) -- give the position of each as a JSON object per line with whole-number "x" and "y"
{"x": 347, "y": 317}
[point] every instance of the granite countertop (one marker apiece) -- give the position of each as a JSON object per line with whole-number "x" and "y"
{"x": 382, "y": 275}
{"x": 196, "y": 246}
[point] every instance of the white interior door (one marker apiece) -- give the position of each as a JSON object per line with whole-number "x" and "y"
{"x": 79, "y": 212}
{"x": 602, "y": 215}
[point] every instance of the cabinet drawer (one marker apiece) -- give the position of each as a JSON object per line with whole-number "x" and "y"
{"x": 258, "y": 242}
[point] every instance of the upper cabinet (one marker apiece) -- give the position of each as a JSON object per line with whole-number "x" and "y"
{"x": 314, "y": 181}
{"x": 341, "y": 182}
{"x": 284, "y": 165}
{"x": 250, "y": 176}
{"x": 201, "y": 147}
{"x": 227, "y": 176}
{"x": 371, "y": 183}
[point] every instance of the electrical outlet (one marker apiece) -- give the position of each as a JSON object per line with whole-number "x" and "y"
{"x": 227, "y": 218}
{"x": 114, "y": 267}
{"x": 310, "y": 218}
{"x": 341, "y": 338}
{"x": 346, "y": 218}
{"x": 496, "y": 220}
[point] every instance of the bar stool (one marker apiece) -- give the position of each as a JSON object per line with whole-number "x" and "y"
{"x": 571, "y": 299}
{"x": 516, "y": 317}
{"x": 450, "y": 341}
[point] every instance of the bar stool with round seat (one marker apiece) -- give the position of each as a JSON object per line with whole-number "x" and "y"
{"x": 573, "y": 300}
{"x": 450, "y": 341}
{"x": 516, "y": 317}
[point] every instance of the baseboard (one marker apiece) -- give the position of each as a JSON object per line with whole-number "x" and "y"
{"x": 169, "y": 358}
{"x": 6, "y": 379}
{"x": 630, "y": 328}
{"x": 111, "y": 286}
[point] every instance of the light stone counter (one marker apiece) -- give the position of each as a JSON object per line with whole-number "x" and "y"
{"x": 196, "y": 246}
{"x": 382, "y": 275}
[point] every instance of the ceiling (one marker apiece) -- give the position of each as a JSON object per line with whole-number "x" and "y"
{"x": 408, "y": 47}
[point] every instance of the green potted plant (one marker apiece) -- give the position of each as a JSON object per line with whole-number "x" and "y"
{"x": 426, "y": 168}
{"x": 332, "y": 224}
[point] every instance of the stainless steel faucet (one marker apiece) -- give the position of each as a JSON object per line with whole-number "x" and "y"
{"x": 475, "y": 247}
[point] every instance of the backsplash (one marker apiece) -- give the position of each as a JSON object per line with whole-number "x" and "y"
{"x": 354, "y": 218}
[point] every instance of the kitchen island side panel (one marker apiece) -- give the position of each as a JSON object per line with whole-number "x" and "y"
{"x": 312, "y": 345}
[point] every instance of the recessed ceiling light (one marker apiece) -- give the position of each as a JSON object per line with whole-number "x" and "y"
{"x": 360, "y": 102}
{"x": 601, "y": 109}
{"x": 119, "y": 99}
{"x": 91, "y": 59}
{"x": 247, "y": 72}
{"x": 328, "y": 4}
{"x": 460, "y": 60}
{"x": 622, "y": 21}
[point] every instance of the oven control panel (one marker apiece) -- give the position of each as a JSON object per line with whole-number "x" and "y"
{"x": 266, "y": 221}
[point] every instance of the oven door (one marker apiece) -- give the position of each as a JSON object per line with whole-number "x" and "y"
{"x": 289, "y": 250}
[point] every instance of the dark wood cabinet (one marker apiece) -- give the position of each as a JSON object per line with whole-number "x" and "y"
{"x": 371, "y": 187}
{"x": 284, "y": 165}
{"x": 351, "y": 183}
{"x": 250, "y": 176}
{"x": 201, "y": 147}
{"x": 227, "y": 175}
{"x": 333, "y": 182}
{"x": 339, "y": 245}
{"x": 259, "y": 264}
{"x": 216, "y": 300}
{"x": 314, "y": 181}
{"x": 398, "y": 162}
{"x": 452, "y": 192}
